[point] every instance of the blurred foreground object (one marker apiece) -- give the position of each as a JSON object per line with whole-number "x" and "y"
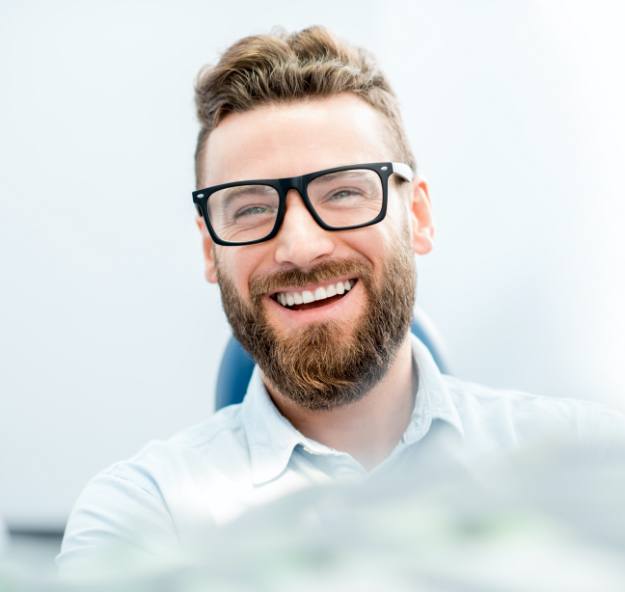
{"x": 548, "y": 518}
{"x": 3, "y": 536}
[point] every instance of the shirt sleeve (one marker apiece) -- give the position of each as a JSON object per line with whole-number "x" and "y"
{"x": 119, "y": 520}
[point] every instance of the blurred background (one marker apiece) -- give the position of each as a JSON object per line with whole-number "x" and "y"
{"x": 109, "y": 335}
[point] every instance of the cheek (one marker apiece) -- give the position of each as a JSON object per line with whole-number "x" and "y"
{"x": 397, "y": 229}
{"x": 382, "y": 238}
{"x": 398, "y": 209}
{"x": 240, "y": 264}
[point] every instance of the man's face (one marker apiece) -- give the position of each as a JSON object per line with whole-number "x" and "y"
{"x": 331, "y": 351}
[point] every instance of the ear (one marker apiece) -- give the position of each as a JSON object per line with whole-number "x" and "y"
{"x": 422, "y": 228}
{"x": 208, "y": 249}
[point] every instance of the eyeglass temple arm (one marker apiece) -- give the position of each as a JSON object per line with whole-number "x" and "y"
{"x": 403, "y": 170}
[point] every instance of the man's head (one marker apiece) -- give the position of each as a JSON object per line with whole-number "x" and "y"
{"x": 276, "y": 107}
{"x": 280, "y": 68}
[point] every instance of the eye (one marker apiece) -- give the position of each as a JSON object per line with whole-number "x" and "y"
{"x": 343, "y": 194}
{"x": 252, "y": 210}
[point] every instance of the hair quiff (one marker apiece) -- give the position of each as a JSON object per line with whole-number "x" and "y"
{"x": 281, "y": 67}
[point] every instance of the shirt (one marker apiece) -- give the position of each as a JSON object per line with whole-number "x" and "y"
{"x": 249, "y": 454}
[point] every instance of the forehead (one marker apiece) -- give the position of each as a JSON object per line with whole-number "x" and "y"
{"x": 288, "y": 139}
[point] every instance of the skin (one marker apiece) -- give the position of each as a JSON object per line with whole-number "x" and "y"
{"x": 296, "y": 138}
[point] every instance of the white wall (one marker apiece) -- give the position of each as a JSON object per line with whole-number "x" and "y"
{"x": 108, "y": 334}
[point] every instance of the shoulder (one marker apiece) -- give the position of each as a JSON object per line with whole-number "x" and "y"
{"x": 138, "y": 502}
{"x": 218, "y": 442}
{"x": 208, "y": 440}
{"x": 523, "y": 417}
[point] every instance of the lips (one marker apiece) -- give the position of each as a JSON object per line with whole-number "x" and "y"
{"x": 322, "y": 294}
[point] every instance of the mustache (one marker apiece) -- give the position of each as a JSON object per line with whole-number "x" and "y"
{"x": 298, "y": 278}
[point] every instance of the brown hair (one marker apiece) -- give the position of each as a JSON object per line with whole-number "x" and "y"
{"x": 280, "y": 67}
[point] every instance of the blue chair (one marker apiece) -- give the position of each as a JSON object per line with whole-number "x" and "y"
{"x": 236, "y": 365}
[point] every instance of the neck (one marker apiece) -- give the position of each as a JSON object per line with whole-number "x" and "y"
{"x": 369, "y": 428}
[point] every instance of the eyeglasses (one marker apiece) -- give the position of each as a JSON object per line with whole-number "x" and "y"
{"x": 341, "y": 198}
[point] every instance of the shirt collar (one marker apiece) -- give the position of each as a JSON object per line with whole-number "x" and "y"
{"x": 272, "y": 438}
{"x": 433, "y": 400}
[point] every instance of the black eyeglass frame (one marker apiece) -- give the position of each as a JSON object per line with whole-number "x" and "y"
{"x": 383, "y": 169}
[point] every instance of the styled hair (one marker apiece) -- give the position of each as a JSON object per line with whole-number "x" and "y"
{"x": 281, "y": 67}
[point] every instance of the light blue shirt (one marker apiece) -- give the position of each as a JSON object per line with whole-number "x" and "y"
{"x": 249, "y": 454}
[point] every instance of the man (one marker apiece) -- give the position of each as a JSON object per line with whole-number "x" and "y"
{"x": 310, "y": 213}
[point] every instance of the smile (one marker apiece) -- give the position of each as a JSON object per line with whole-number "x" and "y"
{"x": 330, "y": 292}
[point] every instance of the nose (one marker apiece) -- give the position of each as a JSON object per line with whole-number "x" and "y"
{"x": 301, "y": 241}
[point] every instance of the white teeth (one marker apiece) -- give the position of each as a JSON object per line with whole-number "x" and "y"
{"x": 306, "y": 296}
{"x": 320, "y": 294}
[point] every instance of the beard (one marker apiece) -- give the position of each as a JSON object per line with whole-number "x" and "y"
{"x": 322, "y": 366}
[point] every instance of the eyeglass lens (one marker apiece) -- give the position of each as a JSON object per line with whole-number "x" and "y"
{"x": 341, "y": 199}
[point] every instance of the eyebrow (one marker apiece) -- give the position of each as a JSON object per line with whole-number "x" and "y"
{"x": 342, "y": 174}
{"x": 255, "y": 189}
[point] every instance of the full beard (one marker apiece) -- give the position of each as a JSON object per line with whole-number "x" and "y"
{"x": 321, "y": 367}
